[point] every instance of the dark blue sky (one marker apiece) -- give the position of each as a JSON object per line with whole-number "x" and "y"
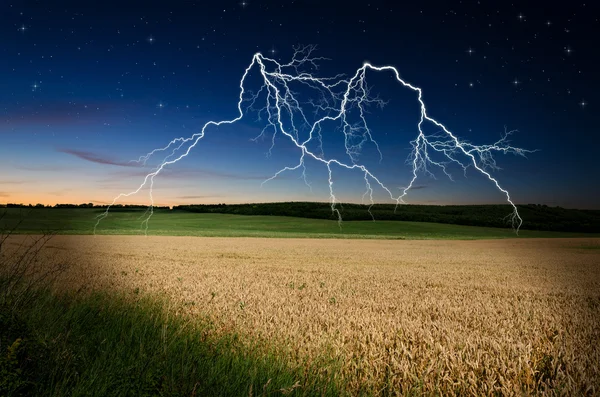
{"x": 87, "y": 86}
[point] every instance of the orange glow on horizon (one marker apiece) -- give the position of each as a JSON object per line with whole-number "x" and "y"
{"x": 51, "y": 200}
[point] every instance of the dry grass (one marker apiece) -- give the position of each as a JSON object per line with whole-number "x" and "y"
{"x": 507, "y": 317}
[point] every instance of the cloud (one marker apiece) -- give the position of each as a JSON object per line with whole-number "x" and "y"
{"x": 4, "y": 194}
{"x": 97, "y": 158}
{"x": 171, "y": 173}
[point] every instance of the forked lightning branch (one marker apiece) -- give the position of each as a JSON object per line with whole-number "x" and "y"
{"x": 288, "y": 113}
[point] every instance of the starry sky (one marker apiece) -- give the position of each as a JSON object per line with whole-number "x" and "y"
{"x": 86, "y": 87}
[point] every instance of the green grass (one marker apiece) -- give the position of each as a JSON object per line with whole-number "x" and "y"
{"x": 109, "y": 343}
{"x": 176, "y": 223}
{"x": 112, "y": 345}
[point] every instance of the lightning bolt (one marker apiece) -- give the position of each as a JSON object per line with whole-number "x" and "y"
{"x": 285, "y": 113}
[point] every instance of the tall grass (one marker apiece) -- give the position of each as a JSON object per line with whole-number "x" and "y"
{"x": 22, "y": 268}
{"x": 111, "y": 344}
{"x": 106, "y": 345}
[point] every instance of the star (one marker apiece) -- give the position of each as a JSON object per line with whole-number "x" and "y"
{"x": 471, "y": 84}
{"x": 521, "y": 17}
{"x": 150, "y": 39}
{"x": 244, "y": 3}
{"x": 470, "y": 51}
{"x": 548, "y": 23}
{"x": 516, "y": 82}
{"x": 272, "y": 50}
{"x": 160, "y": 105}
{"x": 583, "y": 103}
{"x": 568, "y": 50}
{"x": 22, "y": 29}
{"x": 35, "y": 86}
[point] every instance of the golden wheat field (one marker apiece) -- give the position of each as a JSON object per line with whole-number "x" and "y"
{"x": 510, "y": 317}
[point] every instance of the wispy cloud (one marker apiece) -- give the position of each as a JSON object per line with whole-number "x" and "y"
{"x": 97, "y": 158}
{"x": 4, "y": 194}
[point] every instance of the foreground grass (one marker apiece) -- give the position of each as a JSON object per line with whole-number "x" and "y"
{"x": 174, "y": 223}
{"x": 100, "y": 344}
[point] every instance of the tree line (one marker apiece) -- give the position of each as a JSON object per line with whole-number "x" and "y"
{"x": 535, "y": 216}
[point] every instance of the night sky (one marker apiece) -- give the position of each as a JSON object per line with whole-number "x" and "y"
{"x": 86, "y": 87}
